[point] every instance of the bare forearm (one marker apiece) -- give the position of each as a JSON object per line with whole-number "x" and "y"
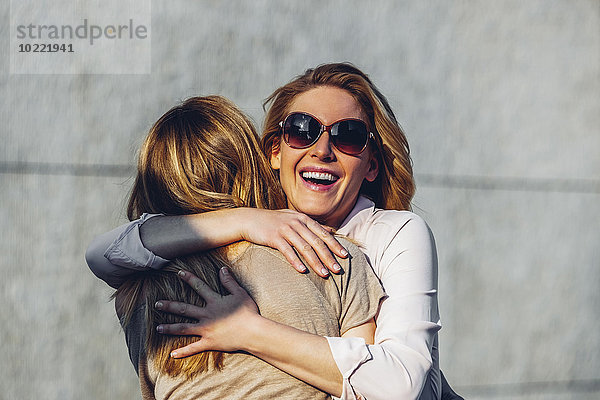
{"x": 300, "y": 354}
{"x": 180, "y": 235}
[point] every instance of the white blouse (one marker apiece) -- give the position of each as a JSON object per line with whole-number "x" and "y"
{"x": 403, "y": 363}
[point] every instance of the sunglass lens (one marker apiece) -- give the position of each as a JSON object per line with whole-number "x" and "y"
{"x": 350, "y": 136}
{"x": 301, "y": 130}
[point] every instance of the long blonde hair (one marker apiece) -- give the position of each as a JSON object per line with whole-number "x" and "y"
{"x": 202, "y": 155}
{"x": 394, "y": 186}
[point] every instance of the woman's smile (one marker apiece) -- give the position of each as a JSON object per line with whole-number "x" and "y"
{"x": 318, "y": 179}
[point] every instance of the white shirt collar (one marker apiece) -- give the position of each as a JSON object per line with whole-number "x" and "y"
{"x": 350, "y": 223}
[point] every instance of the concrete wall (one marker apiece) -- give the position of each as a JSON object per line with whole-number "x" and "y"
{"x": 501, "y": 103}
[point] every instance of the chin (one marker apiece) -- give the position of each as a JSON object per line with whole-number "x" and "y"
{"x": 317, "y": 213}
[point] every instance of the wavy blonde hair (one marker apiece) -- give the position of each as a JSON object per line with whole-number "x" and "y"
{"x": 202, "y": 155}
{"x": 394, "y": 186}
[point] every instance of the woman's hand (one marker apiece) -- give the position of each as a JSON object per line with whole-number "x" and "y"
{"x": 220, "y": 321}
{"x": 286, "y": 230}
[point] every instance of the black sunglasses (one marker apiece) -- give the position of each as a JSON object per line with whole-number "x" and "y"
{"x": 302, "y": 130}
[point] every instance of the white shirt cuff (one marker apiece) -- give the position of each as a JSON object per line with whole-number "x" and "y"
{"x": 349, "y": 354}
{"x": 129, "y": 251}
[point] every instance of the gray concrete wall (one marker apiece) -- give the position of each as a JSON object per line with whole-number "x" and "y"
{"x": 501, "y": 103}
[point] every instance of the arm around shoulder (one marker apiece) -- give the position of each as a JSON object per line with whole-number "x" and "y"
{"x": 152, "y": 240}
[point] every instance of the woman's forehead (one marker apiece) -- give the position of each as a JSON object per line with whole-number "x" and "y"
{"x": 329, "y": 104}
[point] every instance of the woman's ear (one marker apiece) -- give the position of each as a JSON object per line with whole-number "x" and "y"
{"x": 373, "y": 170}
{"x": 276, "y": 155}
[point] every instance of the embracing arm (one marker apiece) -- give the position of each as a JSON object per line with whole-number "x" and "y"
{"x": 303, "y": 355}
{"x": 152, "y": 240}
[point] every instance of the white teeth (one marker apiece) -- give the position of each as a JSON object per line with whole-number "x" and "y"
{"x": 323, "y": 176}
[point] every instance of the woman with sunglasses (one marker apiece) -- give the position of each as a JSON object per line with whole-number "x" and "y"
{"x": 200, "y": 156}
{"x": 343, "y": 160}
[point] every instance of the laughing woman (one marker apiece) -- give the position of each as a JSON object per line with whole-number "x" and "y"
{"x": 203, "y": 156}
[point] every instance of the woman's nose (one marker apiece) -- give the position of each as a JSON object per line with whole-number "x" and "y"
{"x": 323, "y": 148}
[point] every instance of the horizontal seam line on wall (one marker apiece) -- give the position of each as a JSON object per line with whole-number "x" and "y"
{"x": 511, "y": 184}
{"x": 523, "y": 388}
{"x": 423, "y": 180}
{"x": 36, "y": 168}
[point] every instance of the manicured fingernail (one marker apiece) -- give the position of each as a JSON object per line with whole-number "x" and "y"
{"x": 336, "y": 267}
{"x": 181, "y": 272}
{"x": 225, "y": 271}
{"x": 159, "y": 329}
{"x": 302, "y": 268}
{"x": 158, "y": 304}
{"x": 173, "y": 354}
{"x": 325, "y": 271}
{"x": 344, "y": 252}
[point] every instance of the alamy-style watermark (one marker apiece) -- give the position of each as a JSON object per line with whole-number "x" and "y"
{"x": 80, "y": 37}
